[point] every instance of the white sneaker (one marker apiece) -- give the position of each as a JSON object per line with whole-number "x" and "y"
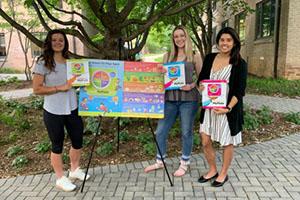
{"x": 78, "y": 174}
{"x": 65, "y": 184}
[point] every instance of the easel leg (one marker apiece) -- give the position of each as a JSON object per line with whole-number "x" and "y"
{"x": 118, "y": 147}
{"x": 92, "y": 150}
{"x": 162, "y": 159}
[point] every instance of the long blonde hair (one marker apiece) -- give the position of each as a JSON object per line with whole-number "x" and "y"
{"x": 188, "y": 48}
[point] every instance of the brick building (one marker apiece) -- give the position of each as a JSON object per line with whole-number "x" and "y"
{"x": 269, "y": 36}
{"x": 13, "y": 55}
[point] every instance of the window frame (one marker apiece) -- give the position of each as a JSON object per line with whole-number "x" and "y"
{"x": 260, "y": 21}
{"x": 237, "y": 24}
{"x": 2, "y": 46}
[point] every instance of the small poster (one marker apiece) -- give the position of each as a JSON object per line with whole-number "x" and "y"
{"x": 175, "y": 75}
{"x": 214, "y": 94}
{"x": 78, "y": 72}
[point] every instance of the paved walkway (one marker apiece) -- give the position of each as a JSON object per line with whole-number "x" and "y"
{"x": 19, "y": 76}
{"x": 270, "y": 170}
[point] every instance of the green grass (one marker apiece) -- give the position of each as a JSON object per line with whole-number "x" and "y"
{"x": 5, "y": 70}
{"x": 272, "y": 87}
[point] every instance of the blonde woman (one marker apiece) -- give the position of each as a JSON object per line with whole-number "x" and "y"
{"x": 182, "y": 103}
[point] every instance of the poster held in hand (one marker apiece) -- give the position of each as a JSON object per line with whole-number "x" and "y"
{"x": 214, "y": 94}
{"x": 78, "y": 72}
{"x": 175, "y": 75}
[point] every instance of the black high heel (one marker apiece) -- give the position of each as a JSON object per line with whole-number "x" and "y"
{"x": 219, "y": 184}
{"x": 203, "y": 180}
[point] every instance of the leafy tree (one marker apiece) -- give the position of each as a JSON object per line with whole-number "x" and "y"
{"x": 104, "y": 25}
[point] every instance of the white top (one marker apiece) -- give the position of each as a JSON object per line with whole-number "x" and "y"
{"x": 216, "y": 125}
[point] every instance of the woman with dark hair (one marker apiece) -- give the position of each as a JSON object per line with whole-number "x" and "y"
{"x": 60, "y": 107}
{"x": 223, "y": 125}
{"x": 182, "y": 103}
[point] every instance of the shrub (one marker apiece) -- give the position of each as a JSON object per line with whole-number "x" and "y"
{"x": 265, "y": 115}
{"x": 144, "y": 138}
{"x": 293, "y": 117}
{"x": 66, "y": 158}
{"x": 86, "y": 141}
{"x": 12, "y": 151}
{"x": 124, "y": 136}
{"x": 91, "y": 124}
{"x": 196, "y": 140}
{"x": 43, "y": 147}
{"x": 149, "y": 149}
{"x": 19, "y": 161}
{"x": 36, "y": 102}
{"x": 251, "y": 121}
{"x": 105, "y": 150}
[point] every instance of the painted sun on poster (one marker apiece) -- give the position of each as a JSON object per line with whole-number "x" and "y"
{"x": 123, "y": 89}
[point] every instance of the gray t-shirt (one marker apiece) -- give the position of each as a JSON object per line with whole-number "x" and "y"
{"x": 60, "y": 103}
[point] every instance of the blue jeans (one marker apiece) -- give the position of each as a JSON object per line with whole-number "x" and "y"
{"x": 186, "y": 110}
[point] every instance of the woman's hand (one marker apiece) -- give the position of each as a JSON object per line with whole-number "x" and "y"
{"x": 201, "y": 87}
{"x": 188, "y": 87}
{"x": 220, "y": 110}
{"x": 64, "y": 88}
{"x": 162, "y": 69}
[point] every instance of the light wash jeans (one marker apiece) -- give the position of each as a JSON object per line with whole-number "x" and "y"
{"x": 187, "y": 111}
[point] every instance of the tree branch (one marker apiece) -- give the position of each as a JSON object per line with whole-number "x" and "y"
{"x": 21, "y": 28}
{"x": 139, "y": 47}
{"x": 127, "y": 9}
{"x": 75, "y": 13}
{"x": 167, "y": 11}
{"x": 42, "y": 20}
{"x": 68, "y": 23}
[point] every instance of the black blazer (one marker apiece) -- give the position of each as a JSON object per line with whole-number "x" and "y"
{"x": 237, "y": 86}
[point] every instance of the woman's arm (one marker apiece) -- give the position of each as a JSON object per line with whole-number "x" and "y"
{"x": 40, "y": 89}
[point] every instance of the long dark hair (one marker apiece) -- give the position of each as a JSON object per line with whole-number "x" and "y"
{"x": 235, "y": 56}
{"x": 48, "y": 53}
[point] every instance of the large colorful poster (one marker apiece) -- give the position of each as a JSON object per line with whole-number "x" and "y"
{"x": 214, "y": 94}
{"x": 175, "y": 75}
{"x": 123, "y": 89}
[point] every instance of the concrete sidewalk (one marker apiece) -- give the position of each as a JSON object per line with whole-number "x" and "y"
{"x": 270, "y": 170}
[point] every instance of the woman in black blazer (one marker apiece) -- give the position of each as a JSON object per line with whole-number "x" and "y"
{"x": 223, "y": 125}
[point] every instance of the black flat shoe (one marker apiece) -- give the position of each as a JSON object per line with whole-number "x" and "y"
{"x": 219, "y": 184}
{"x": 203, "y": 180}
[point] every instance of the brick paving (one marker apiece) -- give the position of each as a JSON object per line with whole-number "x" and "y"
{"x": 265, "y": 171}
{"x": 269, "y": 170}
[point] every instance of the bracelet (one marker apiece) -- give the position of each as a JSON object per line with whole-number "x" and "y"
{"x": 55, "y": 89}
{"x": 229, "y": 109}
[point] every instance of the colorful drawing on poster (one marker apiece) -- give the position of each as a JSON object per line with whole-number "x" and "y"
{"x": 123, "y": 89}
{"x": 78, "y": 72}
{"x": 175, "y": 75}
{"x": 214, "y": 94}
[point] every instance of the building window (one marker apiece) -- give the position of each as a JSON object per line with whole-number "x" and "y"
{"x": 36, "y": 50}
{"x": 225, "y": 23}
{"x": 240, "y": 26}
{"x": 2, "y": 45}
{"x": 265, "y": 18}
